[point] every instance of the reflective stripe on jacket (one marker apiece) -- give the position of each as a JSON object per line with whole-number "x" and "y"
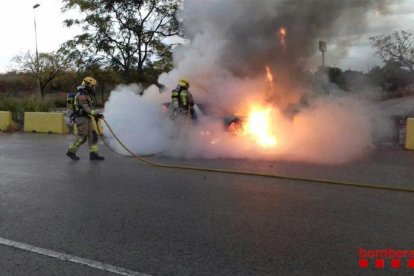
{"x": 182, "y": 96}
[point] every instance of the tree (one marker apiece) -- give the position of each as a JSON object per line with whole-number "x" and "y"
{"x": 126, "y": 35}
{"x": 49, "y": 67}
{"x": 336, "y": 75}
{"x": 392, "y": 78}
{"x": 398, "y": 46}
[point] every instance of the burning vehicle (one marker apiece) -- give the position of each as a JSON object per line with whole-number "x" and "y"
{"x": 233, "y": 123}
{"x": 257, "y": 123}
{"x": 254, "y": 122}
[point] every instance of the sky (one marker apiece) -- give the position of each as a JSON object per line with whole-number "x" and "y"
{"x": 398, "y": 16}
{"x": 17, "y": 31}
{"x": 17, "y": 28}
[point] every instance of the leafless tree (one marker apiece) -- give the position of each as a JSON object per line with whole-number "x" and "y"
{"x": 49, "y": 66}
{"x": 398, "y": 46}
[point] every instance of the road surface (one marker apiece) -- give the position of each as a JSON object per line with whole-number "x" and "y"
{"x": 159, "y": 221}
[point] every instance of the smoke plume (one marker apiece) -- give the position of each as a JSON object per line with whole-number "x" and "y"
{"x": 229, "y": 44}
{"x": 250, "y": 28}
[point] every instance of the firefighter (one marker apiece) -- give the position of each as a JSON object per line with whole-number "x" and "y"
{"x": 84, "y": 111}
{"x": 182, "y": 100}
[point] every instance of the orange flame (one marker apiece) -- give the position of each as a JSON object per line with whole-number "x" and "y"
{"x": 282, "y": 37}
{"x": 282, "y": 32}
{"x": 270, "y": 91}
{"x": 269, "y": 75}
{"x": 258, "y": 126}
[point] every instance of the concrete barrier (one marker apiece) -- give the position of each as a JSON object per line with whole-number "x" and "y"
{"x": 45, "y": 122}
{"x": 6, "y": 122}
{"x": 409, "y": 135}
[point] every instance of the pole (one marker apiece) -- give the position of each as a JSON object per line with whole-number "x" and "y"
{"x": 323, "y": 60}
{"x": 39, "y": 89}
{"x": 322, "y": 48}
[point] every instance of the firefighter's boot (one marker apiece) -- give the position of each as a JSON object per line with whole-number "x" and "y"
{"x": 72, "y": 155}
{"x": 95, "y": 156}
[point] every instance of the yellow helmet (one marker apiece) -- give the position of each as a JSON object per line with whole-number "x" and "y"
{"x": 184, "y": 82}
{"x": 89, "y": 82}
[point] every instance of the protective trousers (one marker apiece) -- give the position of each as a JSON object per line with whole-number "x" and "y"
{"x": 85, "y": 132}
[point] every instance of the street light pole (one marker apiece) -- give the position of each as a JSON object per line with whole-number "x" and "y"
{"x": 322, "y": 48}
{"x": 37, "y": 52}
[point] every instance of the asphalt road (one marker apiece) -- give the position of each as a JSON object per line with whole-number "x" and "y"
{"x": 161, "y": 221}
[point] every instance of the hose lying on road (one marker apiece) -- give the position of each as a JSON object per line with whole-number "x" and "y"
{"x": 202, "y": 169}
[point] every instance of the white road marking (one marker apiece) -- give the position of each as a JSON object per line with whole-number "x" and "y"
{"x": 71, "y": 258}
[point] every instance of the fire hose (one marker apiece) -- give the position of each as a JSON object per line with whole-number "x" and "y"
{"x": 249, "y": 173}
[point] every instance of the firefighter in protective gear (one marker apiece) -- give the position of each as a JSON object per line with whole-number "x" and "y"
{"x": 84, "y": 111}
{"x": 182, "y": 100}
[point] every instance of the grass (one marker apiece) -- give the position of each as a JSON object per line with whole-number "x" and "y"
{"x": 19, "y": 105}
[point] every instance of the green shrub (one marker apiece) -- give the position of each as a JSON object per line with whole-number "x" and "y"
{"x": 27, "y": 104}
{"x": 58, "y": 99}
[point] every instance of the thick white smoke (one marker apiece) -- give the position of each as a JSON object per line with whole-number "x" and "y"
{"x": 137, "y": 120}
{"x": 328, "y": 129}
{"x": 331, "y": 130}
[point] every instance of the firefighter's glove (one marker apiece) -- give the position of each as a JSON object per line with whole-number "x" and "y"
{"x": 99, "y": 116}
